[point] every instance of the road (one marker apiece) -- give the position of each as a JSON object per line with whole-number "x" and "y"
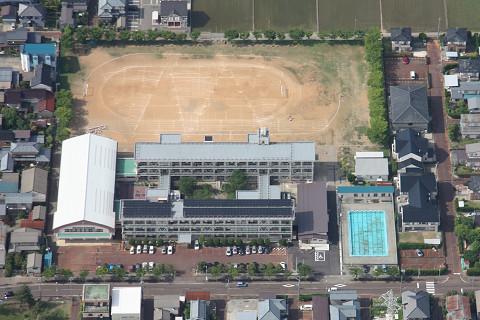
{"x": 446, "y": 191}
{"x": 219, "y": 290}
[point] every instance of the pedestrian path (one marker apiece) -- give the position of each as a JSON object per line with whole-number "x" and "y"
{"x": 430, "y": 286}
{"x": 278, "y": 251}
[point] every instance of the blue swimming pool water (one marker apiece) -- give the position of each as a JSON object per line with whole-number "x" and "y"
{"x": 367, "y": 232}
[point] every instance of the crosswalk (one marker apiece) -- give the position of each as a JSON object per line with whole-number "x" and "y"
{"x": 430, "y": 287}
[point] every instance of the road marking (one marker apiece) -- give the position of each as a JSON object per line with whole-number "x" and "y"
{"x": 319, "y": 255}
{"x": 340, "y": 285}
{"x": 288, "y": 285}
{"x": 418, "y": 285}
{"x": 430, "y": 286}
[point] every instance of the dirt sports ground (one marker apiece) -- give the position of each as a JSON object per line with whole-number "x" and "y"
{"x": 301, "y": 93}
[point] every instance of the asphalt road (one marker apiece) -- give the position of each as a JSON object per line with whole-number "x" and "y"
{"x": 218, "y": 290}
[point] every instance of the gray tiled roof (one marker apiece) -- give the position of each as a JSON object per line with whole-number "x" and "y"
{"x": 179, "y": 8}
{"x": 34, "y": 180}
{"x": 6, "y": 74}
{"x": 456, "y": 35}
{"x": 409, "y": 104}
{"x": 24, "y": 147}
{"x": 422, "y": 206}
{"x": 31, "y": 10}
{"x": 401, "y": 34}
{"x": 43, "y": 74}
{"x": 409, "y": 141}
{"x": 371, "y": 167}
{"x": 416, "y": 305}
{"x": 311, "y": 209}
{"x": 469, "y": 65}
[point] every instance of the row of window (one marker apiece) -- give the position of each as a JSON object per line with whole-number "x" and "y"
{"x": 207, "y": 222}
{"x": 218, "y": 164}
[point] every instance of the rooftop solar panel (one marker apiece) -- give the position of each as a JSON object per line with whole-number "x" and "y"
{"x": 238, "y": 212}
{"x": 257, "y": 203}
{"x": 145, "y": 208}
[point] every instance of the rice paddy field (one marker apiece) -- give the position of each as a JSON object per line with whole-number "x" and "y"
{"x": 328, "y": 15}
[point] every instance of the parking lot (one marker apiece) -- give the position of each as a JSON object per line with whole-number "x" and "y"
{"x": 397, "y": 72}
{"x": 184, "y": 260}
{"x": 431, "y": 260}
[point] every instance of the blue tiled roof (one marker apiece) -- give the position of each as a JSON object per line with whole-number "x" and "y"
{"x": 365, "y": 189}
{"x": 48, "y": 49}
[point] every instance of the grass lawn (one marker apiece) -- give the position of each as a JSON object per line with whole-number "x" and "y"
{"x": 420, "y": 15}
{"x": 283, "y": 15}
{"x": 47, "y": 310}
{"x": 417, "y": 237}
{"x": 464, "y": 13}
{"x": 221, "y": 15}
{"x": 348, "y": 14}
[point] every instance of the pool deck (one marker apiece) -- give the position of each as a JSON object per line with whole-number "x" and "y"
{"x": 391, "y": 258}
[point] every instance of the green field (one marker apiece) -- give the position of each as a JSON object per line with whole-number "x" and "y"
{"x": 283, "y": 15}
{"x": 464, "y": 13}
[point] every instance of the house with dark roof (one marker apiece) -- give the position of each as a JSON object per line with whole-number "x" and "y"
{"x": 6, "y": 78}
{"x": 465, "y": 90}
{"x": 6, "y": 137}
{"x": 344, "y": 304}
{"x": 15, "y": 38}
{"x": 456, "y": 39}
{"x": 34, "y": 263}
{"x": 31, "y": 15}
{"x": 44, "y": 77}
{"x": 9, "y": 14}
{"x": 173, "y": 15}
{"x": 458, "y": 307}
{"x": 469, "y": 69}
{"x": 401, "y": 39}
{"x": 24, "y": 239}
{"x": 34, "y": 181}
{"x": 39, "y": 101}
{"x": 311, "y": 215}
{"x": 409, "y": 107}
{"x": 30, "y": 152}
{"x": 70, "y": 11}
{"x": 110, "y": 10}
{"x": 470, "y": 125}
{"x": 412, "y": 150}
{"x": 415, "y": 305}
{"x": 417, "y": 202}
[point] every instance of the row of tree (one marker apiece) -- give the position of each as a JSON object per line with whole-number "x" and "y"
{"x": 294, "y": 34}
{"x": 466, "y": 232}
{"x": 63, "y": 114}
{"x": 378, "y": 131}
{"x": 252, "y": 269}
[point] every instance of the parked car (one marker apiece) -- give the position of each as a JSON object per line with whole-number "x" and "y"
{"x": 151, "y": 250}
{"x": 144, "y": 265}
{"x": 132, "y": 250}
{"x": 283, "y": 265}
{"x": 413, "y": 75}
{"x": 138, "y": 266}
{"x": 7, "y": 294}
{"x": 254, "y": 249}
{"x": 405, "y": 60}
{"x": 131, "y": 268}
{"x": 247, "y": 250}
{"x": 242, "y": 284}
{"x": 235, "y": 250}
{"x": 170, "y": 250}
{"x": 228, "y": 252}
{"x": 139, "y": 249}
{"x": 145, "y": 248}
{"x": 196, "y": 245}
{"x": 306, "y": 307}
{"x": 260, "y": 250}
{"x": 419, "y": 252}
{"x": 164, "y": 250}
{"x": 151, "y": 264}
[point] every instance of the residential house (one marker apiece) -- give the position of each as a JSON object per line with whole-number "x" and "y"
{"x": 418, "y": 202}
{"x": 30, "y": 152}
{"x": 70, "y": 11}
{"x": 36, "y": 218}
{"x": 35, "y": 54}
{"x": 199, "y": 310}
{"x": 344, "y": 304}
{"x": 173, "y": 15}
{"x": 18, "y": 201}
{"x": 320, "y": 308}
{"x": 401, "y": 39}
{"x": 465, "y": 91}
{"x": 6, "y": 161}
{"x": 34, "y": 263}
{"x": 8, "y": 184}
{"x": 469, "y": 69}
{"x": 165, "y": 307}
{"x": 9, "y": 14}
{"x": 311, "y": 215}
{"x": 371, "y": 166}
{"x": 15, "y": 38}
{"x": 473, "y": 104}
{"x": 6, "y": 137}
{"x": 261, "y": 309}
{"x": 450, "y": 81}
{"x": 458, "y": 307}
{"x": 6, "y": 78}
{"x": 470, "y": 125}
{"x": 34, "y": 180}
{"x": 126, "y": 303}
{"x": 96, "y": 301}
{"x": 39, "y": 101}
{"x": 409, "y": 107}
{"x": 24, "y": 239}
{"x": 412, "y": 150}
{"x": 31, "y": 15}
{"x": 3, "y": 244}
{"x": 472, "y": 152}
{"x": 44, "y": 77}
{"x": 110, "y": 10}
{"x": 456, "y": 39}
{"x": 415, "y": 305}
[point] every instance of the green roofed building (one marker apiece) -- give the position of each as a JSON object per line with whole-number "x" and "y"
{"x": 96, "y": 301}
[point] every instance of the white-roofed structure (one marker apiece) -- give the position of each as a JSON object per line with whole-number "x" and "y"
{"x": 86, "y": 188}
{"x": 369, "y": 154}
{"x": 126, "y": 303}
{"x": 450, "y": 80}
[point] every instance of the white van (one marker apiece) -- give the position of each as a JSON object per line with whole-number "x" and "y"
{"x": 306, "y": 307}
{"x": 413, "y": 75}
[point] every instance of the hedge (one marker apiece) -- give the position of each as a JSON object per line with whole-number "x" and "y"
{"x": 426, "y": 272}
{"x": 412, "y": 245}
{"x": 473, "y": 272}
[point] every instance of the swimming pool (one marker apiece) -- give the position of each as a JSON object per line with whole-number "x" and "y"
{"x": 367, "y": 232}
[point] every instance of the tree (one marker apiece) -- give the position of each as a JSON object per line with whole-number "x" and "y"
{"x": 280, "y": 35}
{"x": 283, "y": 242}
{"x": 140, "y": 273}
{"x": 308, "y": 34}
{"x": 138, "y": 35}
{"x": 194, "y": 35}
{"x": 304, "y": 270}
{"x": 422, "y": 36}
{"x": 215, "y": 270}
{"x": 257, "y": 34}
{"x": 296, "y": 34}
{"x": 471, "y": 256}
{"x": 355, "y": 272}
{"x": 109, "y": 35}
{"x": 252, "y": 269}
{"x": 62, "y": 134}
{"x": 244, "y": 35}
{"x": 66, "y": 273}
{"x": 24, "y": 296}
{"x": 119, "y": 273}
{"x": 49, "y": 272}
{"x": 9, "y": 117}
{"x": 270, "y": 270}
{"x": 187, "y": 185}
{"x": 152, "y": 35}
{"x": 203, "y": 193}
{"x": 181, "y": 36}
{"x": 233, "y": 272}
{"x": 270, "y": 34}
{"x": 67, "y": 38}
{"x": 237, "y": 181}
{"x": 454, "y": 132}
{"x": 82, "y": 34}
{"x": 96, "y": 33}
{"x": 101, "y": 271}
{"x": 83, "y": 275}
{"x": 124, "y": 35}
{"x": 231, "y": 34}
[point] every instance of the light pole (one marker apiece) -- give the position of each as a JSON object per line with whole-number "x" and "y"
{"x": 206, "y": 272}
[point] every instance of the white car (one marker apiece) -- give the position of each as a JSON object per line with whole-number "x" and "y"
{"x": 247, "y": 250}
{"x": 139, "y": 249}
{"x": 228, "y": 252}
{"x": 164, "y": 250}
{"x": 132, "y": 250}
{"x": 254, "y": 249}
{"x": 170, "y": 250}
{"x": 283, "y": 265}
{"x": 197, "y": 245}
{"x": 144, "y": 265}
{"x": 145, "y": 248}
{"x": 306, "y": 307}
{"x": 260, "y": 250}
{"x": 151, "y": 250}
{"x": 151, "y": 264}
{"x": 234, "y": 250}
